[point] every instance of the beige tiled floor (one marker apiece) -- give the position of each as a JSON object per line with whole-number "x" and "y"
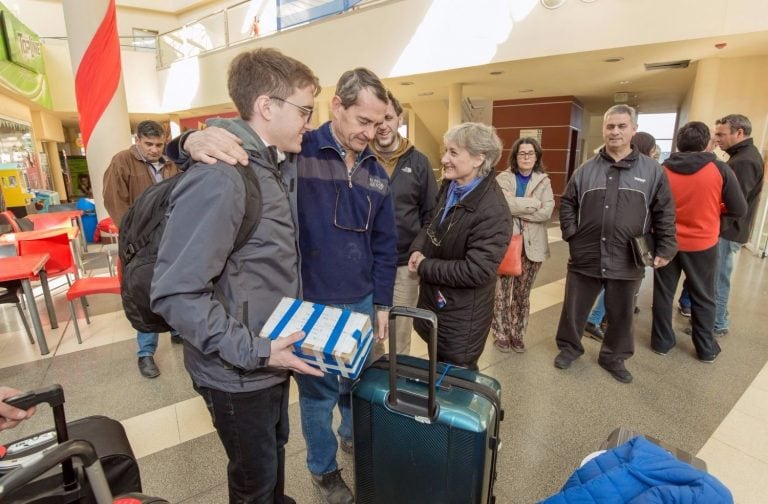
{"x": 737, "y": 452}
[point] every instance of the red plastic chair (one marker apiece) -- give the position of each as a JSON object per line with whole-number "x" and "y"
{"x": 88, "y": 286}
{"x": 55, "y": 243}
{"x": 10, "y": 219}
{"x": 53, "y": 220}
{"x": 9, "y": 292}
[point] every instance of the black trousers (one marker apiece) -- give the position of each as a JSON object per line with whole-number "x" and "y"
{"x": 253, "y": 427}
{"x": 700, "y": 269}
{"x": 580, "y": 294}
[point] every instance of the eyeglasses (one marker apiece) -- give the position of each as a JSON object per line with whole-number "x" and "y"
{"x": 305, "y": 111}
{"x": 432, "y": 233}
{"x": 355, "y": 229}
{"x": 526, "y": 154}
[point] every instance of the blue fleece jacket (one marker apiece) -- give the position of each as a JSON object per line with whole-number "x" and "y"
{"x": 640, "y": 472}
{"x": 347, "y": 233}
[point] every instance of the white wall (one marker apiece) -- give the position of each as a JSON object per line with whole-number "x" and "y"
{"x": 420, "y": 36}
{"x": 46, "y": 18}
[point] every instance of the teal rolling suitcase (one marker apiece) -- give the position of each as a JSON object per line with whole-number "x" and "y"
{"x": 424, "y": 432}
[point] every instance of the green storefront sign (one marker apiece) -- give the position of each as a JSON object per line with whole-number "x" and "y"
{"x": 22, "y": 69}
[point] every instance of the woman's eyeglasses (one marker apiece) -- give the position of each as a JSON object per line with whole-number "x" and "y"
{"x": 305, "y": 111}
{"x": 355, "y": 229}
{"x": 525, "y": 155}
{"x": 432, "y": 233}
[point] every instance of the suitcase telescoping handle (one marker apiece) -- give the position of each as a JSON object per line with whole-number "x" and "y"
{"x": 402, "y": 400}
{"x": 54, "y": 396}
{"x": 64, "y": 452}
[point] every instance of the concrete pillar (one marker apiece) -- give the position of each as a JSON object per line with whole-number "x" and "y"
{"x": 704, "y": 98}
{"x": 54, "y": 166}
{"x": 454, "y": 105}
{"x": 95, "y": 53}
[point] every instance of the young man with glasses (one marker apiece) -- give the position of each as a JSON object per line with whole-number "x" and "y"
{"x": 348, "y": 244}
{"x": 219, "y": 298}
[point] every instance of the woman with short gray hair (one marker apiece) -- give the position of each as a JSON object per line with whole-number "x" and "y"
{"x": 458, "y": 253}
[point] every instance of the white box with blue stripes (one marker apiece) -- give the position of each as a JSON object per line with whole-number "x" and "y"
{"x": 336, "y": 341}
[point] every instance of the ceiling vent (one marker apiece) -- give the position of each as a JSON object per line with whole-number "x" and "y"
{"x": 620, "y": 97}
{"x": 668, "y": 65}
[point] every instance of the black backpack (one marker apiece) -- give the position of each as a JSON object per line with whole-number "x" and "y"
{"x": 140, "y": 232}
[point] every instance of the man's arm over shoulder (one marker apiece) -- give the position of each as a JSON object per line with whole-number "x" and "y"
{"x": 733, "y": 198}
{"x": 206, "y": 210}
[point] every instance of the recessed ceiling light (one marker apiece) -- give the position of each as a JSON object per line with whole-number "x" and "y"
{"x": 406, "y": 83}
{"x": 426, "y": 93}
{"x": 614, "y": 59}
{"x": 526, "y": 91}
{"x": 496, "y": 72}
{"x": 552, "y": 4}
{"x": 624, "y": 82}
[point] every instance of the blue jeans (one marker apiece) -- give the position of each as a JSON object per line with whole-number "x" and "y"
{"x": 317, "y": 398}
{"x": 253, "y": 427}
{"x": 148, "y": 342}
{"x": 726, "y": 250}
{"x": 685, "y": 296}
{"x": 598, "y": 312}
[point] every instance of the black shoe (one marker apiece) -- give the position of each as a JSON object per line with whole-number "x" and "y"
{"x": 347, "y": 446}
{"x": 594, "y": 331}
{"x": 148, "y": 368}
{"x": 619, "y": 373}
{"x": 709, "y": 359}
{"x": 564, "y": 360}
{"x": 658, "y": 352}
{"x": 176, "y": 339}
{"x": 333, "y": 488}
{"x": 685, "y": 311}
{"x": 721, "y": 332}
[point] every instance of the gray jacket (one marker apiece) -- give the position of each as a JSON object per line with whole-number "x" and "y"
{"x": 201, "y": 288}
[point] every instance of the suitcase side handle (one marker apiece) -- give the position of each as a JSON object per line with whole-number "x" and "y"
{"x": 404, "y": 401}
{"x": 81, "y": 449}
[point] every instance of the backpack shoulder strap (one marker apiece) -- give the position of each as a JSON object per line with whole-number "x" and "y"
{"x": 252, "y": 215}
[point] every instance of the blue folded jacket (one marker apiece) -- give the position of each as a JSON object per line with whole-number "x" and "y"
{"x": 640, "y": 472}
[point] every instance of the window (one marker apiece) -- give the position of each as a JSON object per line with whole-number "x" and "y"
{"x": 144, "y": 40}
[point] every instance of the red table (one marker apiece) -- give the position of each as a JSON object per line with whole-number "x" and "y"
{"x": 74, "y": 216}
{"x": 72, "y": 233}
{"x": 23, "y": 268}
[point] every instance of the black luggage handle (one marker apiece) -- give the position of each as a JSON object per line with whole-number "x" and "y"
{"x": 404, "y": 401}
{"x": 64, "y": 452}
{"x": 54, "y": 396}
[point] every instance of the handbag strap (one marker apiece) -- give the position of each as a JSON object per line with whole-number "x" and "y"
{"x": 519, "y": 222}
